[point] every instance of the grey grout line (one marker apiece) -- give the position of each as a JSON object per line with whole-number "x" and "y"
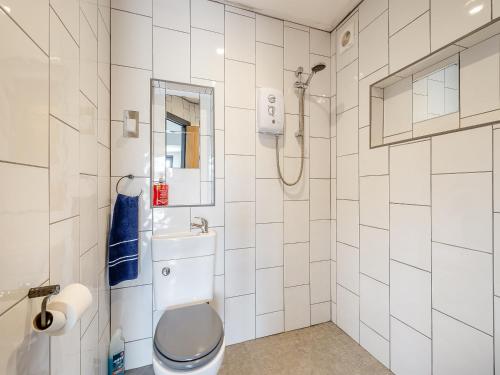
{"x": 409, "y": 326}
{"x": 408, "y": 265}
{"x": 461, "y": 321}
{"x": 462, "y": 247}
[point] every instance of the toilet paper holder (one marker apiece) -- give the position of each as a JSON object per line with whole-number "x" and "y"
{"x": 47, "y": 292}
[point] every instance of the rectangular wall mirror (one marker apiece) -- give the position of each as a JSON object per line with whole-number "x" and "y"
{"x": 454, "y": 88}
{"x": 183, "y": 143}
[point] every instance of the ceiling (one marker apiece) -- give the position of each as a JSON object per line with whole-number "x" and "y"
{"x": 320, "y": 14}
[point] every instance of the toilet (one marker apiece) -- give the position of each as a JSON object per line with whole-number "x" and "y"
{"x": 189, "y": 337}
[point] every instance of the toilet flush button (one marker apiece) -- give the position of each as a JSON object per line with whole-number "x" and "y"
{"x": 165, "y": 271}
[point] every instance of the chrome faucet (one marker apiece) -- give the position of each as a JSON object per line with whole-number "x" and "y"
{"x": 203, "y": 225}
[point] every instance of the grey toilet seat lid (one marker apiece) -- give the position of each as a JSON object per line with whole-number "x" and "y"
{"x": 188, "y": 334}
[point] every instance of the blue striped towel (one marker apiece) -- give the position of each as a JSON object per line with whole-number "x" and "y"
{"x": 123, "y": 240}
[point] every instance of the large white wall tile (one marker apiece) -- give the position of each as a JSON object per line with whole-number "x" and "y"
{"x": 131, "y": 40}
{"x": 347, "y": 178}
{"x": 347, "y": 132}
{"x": 269, "y": 290}
{"x": 397, "y": 111}
{"x": 411, "y": 296}
{"x": 320, "y": 282}
{"x": 64, "y": 171}
{"x": 167, "y": 65}
{"x": 320, "y": 116}
{"x": 347, "y": 87}
{"x": 207, "y": 15}
{"x": 411, "y": 352}
{"x": 240, "y": 319}
{"x": 296, "y": 261}
{"x": 65, "y": 252}
{"x": 131, "y": 309}
{"x": 130, "y": 155}
{"x": 375, "y": 344}
{"x": 239, "y": 131}
{"x": 348, "y": 222}
{"x": 269, "y": 68}
{"x": 374, "y": 252}
{"x": 296, "y": 221}
{"x": 460, "y": 17}
{"x": 369, "y": 10}
{"x": 459, "y": 349}
{"x": 69, "y": 13}
{"x": 133, "y": 6}
{"x": 374, "y": 305}
{"x": 374, "y": 46}
{"x": 240, "y": 225}
{"x": 348, "y": 312}
{"x": 269, "y": 324}
{"x": 64, "y": 68}
{"x": 138, "y": 353}
{"x": 207, "y": 54}
{"x": 462, "y": 285}
{"x": 25, "y": 112}
{"x": 89, "y": 277}
{"x": 320, "y": 313}
{"x": 465, "y": 151}
{"x": 88, "y": 136}
{"x": 240, "y": 178}
{"x": 374, "y": 201}
{"x": 371, "y": 161}
{"x": 411, "y": 235}
{"x": 402, "y": 12}
{"x": 320, "y": 240}
{"x": 409, "y": 44}
{"x": 24, "y": 258}
{"x": 269, "y": 201}
{"x": 410, "y": 185}
{"x": 296, "y": 49}
{"x": 269, "y": 242}
{"x": 88, "y": 212}
{"x": 348, "y": 267}
{"x": 320, "y": 199}
{"x": 269, "y": 30}
{"x": 240, "y": 84}
{"x": 462, "y": 209}
{"x": 172, "y": 14}
{"x": 239, "y": 274}
{"x": 240, "y": 37}
{"x": 320, "y": 42}
{"x": 130, "y": 88}
{"x": 297, "y": 308}
{"x": 479, "y": 78}
{"x": 88, "y": 60}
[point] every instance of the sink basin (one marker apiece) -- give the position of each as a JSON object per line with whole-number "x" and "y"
{"x": 168, "y": 246}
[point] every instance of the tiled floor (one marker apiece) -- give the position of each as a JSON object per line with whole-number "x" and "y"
{"x": 321, "y": 349}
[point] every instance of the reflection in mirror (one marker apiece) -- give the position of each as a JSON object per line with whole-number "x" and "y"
{"x": 436, "y": 94}
{"x": 183, "y": 170}
{"x": 182, "y": 132}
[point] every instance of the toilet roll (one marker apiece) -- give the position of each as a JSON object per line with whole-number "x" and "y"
{"x": 65, "y": 309}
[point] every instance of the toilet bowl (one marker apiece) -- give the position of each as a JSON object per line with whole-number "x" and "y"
{"x": 189, "y": 337}
{"x": 189, "y": 340}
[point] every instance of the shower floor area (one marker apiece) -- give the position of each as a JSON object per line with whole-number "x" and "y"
{"x": 317, "y": 350}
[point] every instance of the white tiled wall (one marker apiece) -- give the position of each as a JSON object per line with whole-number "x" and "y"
{"x": 55, "y": 173}
{"x": 416, "y": 222}
{"x": 273, "y": 257}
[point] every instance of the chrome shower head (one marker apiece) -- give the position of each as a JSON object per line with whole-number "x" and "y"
{"x": 318, "y": 67}
{"x": 315, "y": 69}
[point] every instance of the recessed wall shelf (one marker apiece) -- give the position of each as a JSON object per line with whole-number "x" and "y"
{"x": 454, "y": 88}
